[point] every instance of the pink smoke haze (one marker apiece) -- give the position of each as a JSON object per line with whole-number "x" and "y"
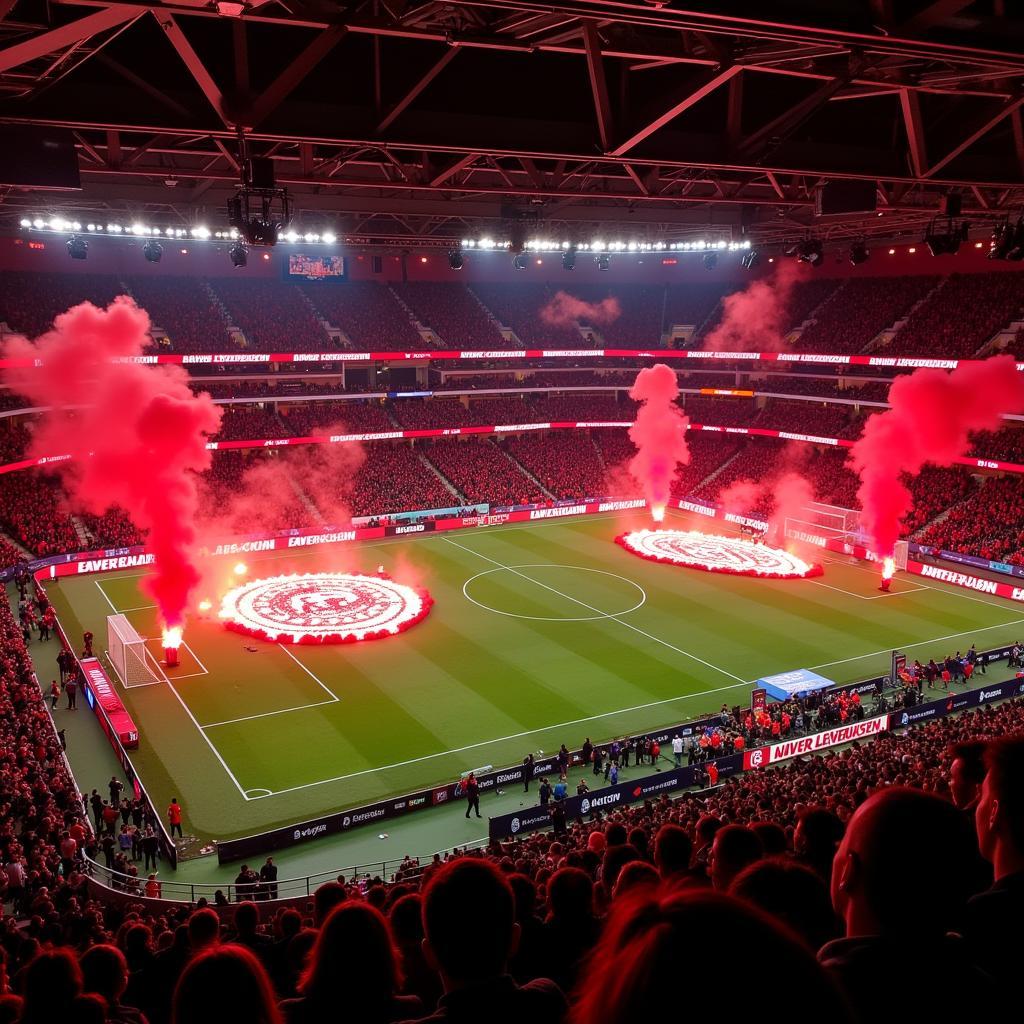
{"x": 755, "y": 320}
{"x": 933, "y": 413}
{"x": 564, "y": 310}
{"x": 659, "y": 433}
{"x": 741, "y": 496}
{"x": 792, "y": 493}
{"x": 137, "y": 442}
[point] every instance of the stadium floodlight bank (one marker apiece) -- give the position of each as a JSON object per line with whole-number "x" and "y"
{"x": 127, "y": 654}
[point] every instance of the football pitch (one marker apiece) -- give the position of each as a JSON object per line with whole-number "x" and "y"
{"x": 540, "y": 634}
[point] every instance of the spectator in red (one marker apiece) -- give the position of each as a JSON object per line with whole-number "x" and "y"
{"x": 468, "y": 917}
{"x": 174, "y": 816}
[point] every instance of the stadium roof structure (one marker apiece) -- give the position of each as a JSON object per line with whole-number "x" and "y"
{"x": 399, "y": 121}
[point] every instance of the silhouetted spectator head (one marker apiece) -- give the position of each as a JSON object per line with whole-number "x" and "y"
{"x": 635, "y": 972}
{"x": 615, "y": 859}
{"x": 772, "y": 836}
{"x": 1000, "y": 814}
{"x": 87, "y": 1008}
{"x": 706, "y": 828}
{"x": 919, "y": 832}
{"x": 105, "y": 972}
{"x": 10, "y": 1008}
{"x": 636, "y": 874}
{"x": 326, "y": 898}
{"x": 673, "y": 849}
{"x": 247, "y": 918}
{"x": 406, "y": 921}
{"x": 792, "y": 894}
{"x": 966, "y": 772}
{"x": 735, "y": 848}
{"x": 203, "y": 929}
{"x": 50, "y": 984}
{"x": 468, "y": 917}
{"x": 224, "y": 983}
{"x": 570, "y": 896}
{"x": 816, "y": 838}
{"x": 289, "y": 923}
{"x": 353, "y": 962}
{"x": 615, "y": 834}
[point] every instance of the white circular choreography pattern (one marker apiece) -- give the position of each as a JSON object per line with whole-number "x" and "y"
{"x": 552, "y": 587}
{"x": 323, "y": 607}
{"x": 715, "y": 553}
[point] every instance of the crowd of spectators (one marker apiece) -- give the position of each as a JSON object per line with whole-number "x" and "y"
{"x": 395, "y": 479}
{"x": 274, "y": 316}
{"x": 854, "y": 315}
{"x": 367, "y": 313}
{"x": 482, "y": 472}
{"x": 29, "y": 302}
{"x": 518, "y": 305}
{"x": 454, "y": 314}
{"x": 33, "y": 513}
{"x": 988, "y": 524}
{"x": 184, "y": 308}
{"x": 567, "y": 464}
{"x": 879, "y": 880}
{"x": 940, "y": 325}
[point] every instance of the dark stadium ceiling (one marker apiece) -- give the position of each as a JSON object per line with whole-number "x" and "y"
{"x": 427, "y": 122}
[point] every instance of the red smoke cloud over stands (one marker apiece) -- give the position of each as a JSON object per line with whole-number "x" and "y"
{"x": 755, "y": 319}
{"x": 565, "y": 309}
{"x": 932, "y": 415}
{"x": 136, "y": 440}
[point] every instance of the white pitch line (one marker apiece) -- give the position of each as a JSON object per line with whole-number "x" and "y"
{"x": 267, "y": 714}
{"x": 500, "y": 739}
{"x": 954, "y": 592}
{"x": 312, "y": 675}
{"x": 99, "y": 587}
{"x": 921, "y": 643}
{"x": 861, "y": 597}
{"x": 590, "y": 607}
{"x": 216, "y": 753}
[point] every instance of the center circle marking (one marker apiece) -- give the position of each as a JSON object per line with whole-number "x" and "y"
{"x": 542, "y": 585}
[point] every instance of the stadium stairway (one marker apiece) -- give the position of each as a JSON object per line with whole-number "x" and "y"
{"x": 460, "y": 497}
{"x": 711, "y": 476}
{"x": 794, "y": 335}
{"x": 522, "y": 469}
{"x": 885, "y": 337}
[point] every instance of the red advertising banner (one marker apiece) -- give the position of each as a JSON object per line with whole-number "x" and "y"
{"x": 510, "y": 428}
{"x": 440, "y": 355}
{"x": 108, "y": 704}
{"x": 759, "y": 757}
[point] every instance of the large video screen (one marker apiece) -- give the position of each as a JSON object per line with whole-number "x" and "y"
{"x": 315, "y": 268}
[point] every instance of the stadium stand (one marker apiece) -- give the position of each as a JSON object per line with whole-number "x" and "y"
{"x": 855, "y": 314}
{"x": 482, "y": 472}
{"x": 454, "y": 313}
{"x": 273, "y": 316}
{"x": 184, "y": 308}
{"x": 367, "y": 313}
{"x": 29, "y": 302}
{"x": 988, "y": 524}
{"x": 940, "y": 324}
{"x": 566, "y": 464}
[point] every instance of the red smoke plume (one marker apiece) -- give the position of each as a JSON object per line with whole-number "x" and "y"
{"x": 659, "y": 433}
{"x": 565, "y": 309}
{"x": 136, "y": 442}
{"x": 932, "y": 414}
{"x": 791, "y": 493}
{"x": 754, "y": 320}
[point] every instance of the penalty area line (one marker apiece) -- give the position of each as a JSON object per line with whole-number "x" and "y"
{"x": 188, "y": 711}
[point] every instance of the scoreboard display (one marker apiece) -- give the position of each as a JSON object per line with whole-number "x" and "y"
{"x": 315, "y": 268}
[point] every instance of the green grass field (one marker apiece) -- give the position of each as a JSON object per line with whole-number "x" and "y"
{"x": 540, "y": 634}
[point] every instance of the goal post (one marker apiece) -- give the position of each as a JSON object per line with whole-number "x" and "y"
{"x": 820, "y": 525}
{"x": 126, "y": 651}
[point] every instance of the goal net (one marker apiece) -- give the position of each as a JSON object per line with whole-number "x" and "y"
{"x": 819, "y": 524}
{"x": 126, "y": 651}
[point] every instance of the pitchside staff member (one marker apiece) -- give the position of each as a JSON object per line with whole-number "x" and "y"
{"x": 472, "y": 795}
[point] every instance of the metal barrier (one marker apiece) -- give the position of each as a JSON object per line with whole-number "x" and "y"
{"x": 261, "y": 892}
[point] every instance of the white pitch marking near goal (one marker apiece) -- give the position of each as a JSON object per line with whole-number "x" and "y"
{"x": 188, "y": 711}
{"x": 126, "y": 650}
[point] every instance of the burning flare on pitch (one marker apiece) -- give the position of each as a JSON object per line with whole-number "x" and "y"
{"x": 658, "y": 513}
{"x": 888, "y": 568}
{"x": 241, "y": 569}
{"x": 171, "y": 638}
